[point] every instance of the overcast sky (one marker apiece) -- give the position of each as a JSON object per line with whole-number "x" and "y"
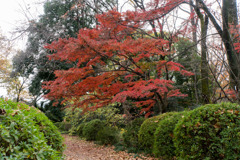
{"x": 14, "y": 13}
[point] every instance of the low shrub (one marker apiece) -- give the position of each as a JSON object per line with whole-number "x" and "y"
{"x": 74, "y": 117}
{"x": 147, "y": 130}
{"x": 130, "y": 136}
{"x": 109, "y": 114}
{"x": 209, "y": 132}
{"x": 79, "y": 130}
{"x": 91, "y": 129}
{"x": 63, "y": 126}
{"x": 107, "y": 135}
{"x": 50, "y": 131}
{"x": 26, "y": 133}
{"x": 163, "y": 137}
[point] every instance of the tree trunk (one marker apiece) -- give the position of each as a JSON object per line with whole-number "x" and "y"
{"x": 228, "y": 17}
{"x": 126, "y": 111}
{"x": 194, "y": 37}
{"x": 204, "y": 62}
{"x": 162, "y": 102}
{"x": 233, "y": 16}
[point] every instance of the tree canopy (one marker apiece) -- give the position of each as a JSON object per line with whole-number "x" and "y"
{"x": 114, "y": 63}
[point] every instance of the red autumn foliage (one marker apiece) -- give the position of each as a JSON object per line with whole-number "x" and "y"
{"x": 113, "y": 63}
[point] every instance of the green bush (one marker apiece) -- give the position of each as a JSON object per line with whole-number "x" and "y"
{"x": 91, "y": 129}
{"x": 109, "y": 114}
{"x": 79, "y": 130}
{"x": 147, "y": 130}
{"x": 163, "y": 136}
{"x": 50, "y": 131}
{"x": 63, "y": 126}
{"x": 26, "y": 133}
{"x": 74, "y": 117}
{"x": 130, "y": 136}
{"x": 107, "y": 135}
{"x": 209, "y": 132}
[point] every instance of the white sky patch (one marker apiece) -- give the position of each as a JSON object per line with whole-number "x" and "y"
{"x": 14, "y": 14}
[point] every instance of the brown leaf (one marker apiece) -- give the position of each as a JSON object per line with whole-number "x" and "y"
{"x": 230, "y": 111}
{"x": 198, "y": 124}
{"x": 15, "y": 112}
{"x": 219, "y": 111}
{"x": 217, "y": 126}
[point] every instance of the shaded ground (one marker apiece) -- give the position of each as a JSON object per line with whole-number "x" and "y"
{"x": 77, "y": 149}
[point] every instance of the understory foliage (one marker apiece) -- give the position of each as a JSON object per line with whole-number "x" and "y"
{"x": 107, "y": 135}
{"x": 209, "y": 132}
{"x": 163, "y": 136}
{"x": 147, "y": 130}
{"x": 101, "y": 125}
{"x": 115, "y": 62}
{"x": 75, "y": 118}
{"x": 91, "y": 129}
{"x": 196, "y": 134}
{"x": 63, "y": 126}
{"x": 130, "y": 134}
{"x": 26, "y": 133}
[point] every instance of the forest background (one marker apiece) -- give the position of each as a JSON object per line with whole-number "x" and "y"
{"x": 197, "y": 54}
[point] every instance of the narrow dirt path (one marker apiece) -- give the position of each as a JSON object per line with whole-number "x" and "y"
{"x": 77, "y": 149}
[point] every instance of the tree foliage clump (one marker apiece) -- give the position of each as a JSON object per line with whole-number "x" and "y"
{"x": 26, "y": 133}
{"x": 209, "y": 132}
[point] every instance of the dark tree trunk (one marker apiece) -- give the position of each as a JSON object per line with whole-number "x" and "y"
{"x": 229, "y": 16}
{"x": 204, "y": 61}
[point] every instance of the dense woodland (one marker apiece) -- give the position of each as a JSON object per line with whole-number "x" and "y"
{"x": 129, "y": 63}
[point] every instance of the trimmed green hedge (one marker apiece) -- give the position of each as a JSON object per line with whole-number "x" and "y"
{"x": 26, "y": 133}
{"x": 147, "y": 130}
{"x": 209, "y": 132}
{"x": 163, "y": 137}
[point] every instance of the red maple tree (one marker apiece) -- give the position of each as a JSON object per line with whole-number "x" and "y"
{"x": 116, "y": 62}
